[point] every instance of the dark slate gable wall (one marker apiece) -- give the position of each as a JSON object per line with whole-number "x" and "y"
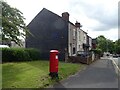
{"x": 50, "y": 32}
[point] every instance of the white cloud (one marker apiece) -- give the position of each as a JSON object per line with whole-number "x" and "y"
{"x": 94, "y": 15}
{"x": 112, "y": 34}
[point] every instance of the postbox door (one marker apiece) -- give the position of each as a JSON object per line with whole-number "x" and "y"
{"x": 54, "y": 62}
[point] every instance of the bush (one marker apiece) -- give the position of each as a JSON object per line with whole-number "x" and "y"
{"x": 7, "y": 54}
{"x": 97, "y": 51}
{"x": 19, "y": 54}
{"x": 33, "y": 53}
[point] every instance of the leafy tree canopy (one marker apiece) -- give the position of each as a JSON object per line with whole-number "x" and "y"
{"x": 117, "y": 46}
{"x": 13, "y": 26}
{"x": 107, "y": 45}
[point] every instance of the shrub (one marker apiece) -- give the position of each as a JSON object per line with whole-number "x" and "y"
{"x": 19, "y": 54}
{"x": 97, "y": 51}
{"x": 33, "y": 53}
{"x": 7, "y": 54}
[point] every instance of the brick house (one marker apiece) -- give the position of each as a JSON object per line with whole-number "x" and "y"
{"x": 51, "y": 31}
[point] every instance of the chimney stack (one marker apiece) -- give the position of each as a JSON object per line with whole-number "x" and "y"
{"x": 65, "y": 16}
{"x": 78, "y": 25}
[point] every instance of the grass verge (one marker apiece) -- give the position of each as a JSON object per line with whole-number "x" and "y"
{"x": 34, "y": 74}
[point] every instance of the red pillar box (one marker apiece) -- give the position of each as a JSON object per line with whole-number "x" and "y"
{"x": 53, "y": 63}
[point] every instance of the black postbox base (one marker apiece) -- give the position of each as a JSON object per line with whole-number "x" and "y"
{"x": 54, "y": 75}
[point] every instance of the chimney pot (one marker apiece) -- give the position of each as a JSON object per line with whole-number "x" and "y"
{"x": 65, "y": 16}
{"x": 78, "y": 25}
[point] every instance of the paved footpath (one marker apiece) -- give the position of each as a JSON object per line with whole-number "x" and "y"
{"x": 100, "y": 74}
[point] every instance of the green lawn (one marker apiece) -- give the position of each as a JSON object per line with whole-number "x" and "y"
{"x": 33, "y": 74}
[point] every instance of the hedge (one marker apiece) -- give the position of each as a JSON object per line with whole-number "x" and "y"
{"x": 33, "y": 53}
{"x": 19, "y": 54}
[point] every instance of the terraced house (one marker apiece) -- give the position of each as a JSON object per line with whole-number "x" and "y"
{"x": 51, "y": 31}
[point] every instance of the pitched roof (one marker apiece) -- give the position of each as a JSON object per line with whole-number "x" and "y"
{"x": 44, "y": 9}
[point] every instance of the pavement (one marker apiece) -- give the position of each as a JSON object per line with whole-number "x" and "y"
{"x": 116, "y": 64}
{"x": 99, "y": 74}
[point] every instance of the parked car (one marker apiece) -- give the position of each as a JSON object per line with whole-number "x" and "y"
{"x": 4, "y": 46}
{"x": 107, "y": 55}
{"x": 116, "y": 55}
{"x": 83, "y": 53}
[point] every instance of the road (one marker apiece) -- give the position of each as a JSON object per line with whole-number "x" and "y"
{"x": 100, "y": 74}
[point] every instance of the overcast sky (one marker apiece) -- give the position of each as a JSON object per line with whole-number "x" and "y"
{"x": 98, "y": 17}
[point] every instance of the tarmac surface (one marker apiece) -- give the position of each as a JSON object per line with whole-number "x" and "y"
{"x": 99, "y": 74}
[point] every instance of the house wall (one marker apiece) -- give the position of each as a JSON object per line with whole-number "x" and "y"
{"x": 84, "y": 37}
{"x": 81, "y": 38}
{"x": 77, "y": 37}
{"x": 13, "y": 44}
{"x": 90, "y": 43}
{"x": 71, "y": 40}
{"x": 49, "y": 31}
{"x": 94, "y": 43}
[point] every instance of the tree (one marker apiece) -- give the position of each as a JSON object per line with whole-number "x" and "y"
{"x": 106, "y": 45}
{"x": 101, "y": 40}
{"x": 13, "y": 26}
{"x": 110, "y": 46}
{"x": 117, "y": 46}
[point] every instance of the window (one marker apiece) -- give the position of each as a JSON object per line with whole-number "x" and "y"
{"x": 73, "y": 33}
{"x": 84, "y": 38}
{"x": 74, "y": 50}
